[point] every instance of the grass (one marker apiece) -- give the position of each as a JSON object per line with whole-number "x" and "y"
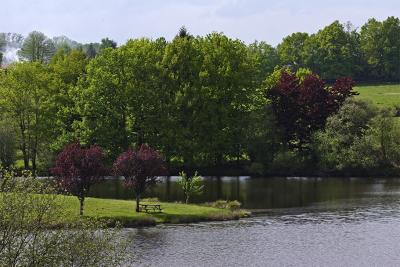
{"x": 381, "y": 95}
{"x": 123, "y": 211}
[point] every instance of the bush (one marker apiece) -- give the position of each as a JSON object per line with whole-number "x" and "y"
{"x": 359, "y": 138}
{"x": 234, "y": 205}
{"x": 224, "y": 204}
{"x": 29, "y": 209}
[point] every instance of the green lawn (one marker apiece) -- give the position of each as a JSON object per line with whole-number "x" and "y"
{"x": 382, "y": 95}
{"x": 124, "y": 212}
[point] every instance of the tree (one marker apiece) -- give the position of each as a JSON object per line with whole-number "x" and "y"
{"x": 338, "y": 144}
{"x": 123, "y": 96}
{"x": 380, "y": 45}
{"x": 140, "y": 168}
{"x": 37, "y": 47}
{"x": 91, "y": 51}
{"x": 67, "y": 69}
{"x": 183, "y": 33}
{"x": 107, "y": 43}
{"x": 26, "y": 89}
{"x": 291, "y": 50}
{"x": 190, "y": 185}
{"x": 382, "y": 138}
{"x": 7, "y": 144}
{"x": 330, "y": 52}
{"x": 220, "y": 100}
{"x": 301, "y": 106}
{"x": 266, "y": 57}
{"x": 78, "y": 168}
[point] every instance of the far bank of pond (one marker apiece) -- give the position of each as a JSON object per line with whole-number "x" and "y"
{"x": 257, "y": 193}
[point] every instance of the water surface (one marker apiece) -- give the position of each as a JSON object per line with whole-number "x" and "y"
{"x": 306, "y": 222}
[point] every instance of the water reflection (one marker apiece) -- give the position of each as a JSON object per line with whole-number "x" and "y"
{"x": 304, "y": 222}
{"x": 362, "y": 230}
{"x": 267, "y": 193}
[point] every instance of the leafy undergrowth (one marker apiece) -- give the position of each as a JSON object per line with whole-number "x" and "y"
{"x": 123, "y": 212}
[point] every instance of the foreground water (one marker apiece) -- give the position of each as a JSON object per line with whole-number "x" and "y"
{"x": 305, "y": 222}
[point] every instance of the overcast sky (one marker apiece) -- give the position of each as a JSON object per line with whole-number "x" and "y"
{"x": 91, "y": 20}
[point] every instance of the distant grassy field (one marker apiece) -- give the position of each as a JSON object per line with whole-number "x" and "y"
{"x": 381, "y": 95}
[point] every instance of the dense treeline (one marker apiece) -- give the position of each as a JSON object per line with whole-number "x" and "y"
{"x": 206, "y": 101}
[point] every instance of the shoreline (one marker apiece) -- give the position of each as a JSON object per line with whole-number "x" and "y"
{"x": 122, "y": 212}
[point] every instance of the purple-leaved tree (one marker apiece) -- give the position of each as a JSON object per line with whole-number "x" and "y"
{"x": 78, "y": 168}
{"x": 140, "y": 168}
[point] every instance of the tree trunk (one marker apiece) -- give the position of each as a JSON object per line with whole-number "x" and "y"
{"x": 34, "y": 155}
{"x": 187, "y": 199}
{"x": 24, "y": 148}
{"x": 137, "y": 202}
{"x": 81, "y": 205}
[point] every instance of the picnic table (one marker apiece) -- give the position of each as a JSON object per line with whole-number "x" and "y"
{"x": 150, "y": 208}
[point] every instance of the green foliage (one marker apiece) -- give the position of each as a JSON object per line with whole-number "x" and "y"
{"x": 360, "y": 136}
{"x": 28, "y": 208}
{"x": 7, "y": 144}
{"x": 67, "y": 69}
{"x": 266, "y": 57}
{"x": 331, "y": 52}
{"x": 191, "y": 185}
{"x": 107, "y": 43}
{"x": 291, "y": 50}
{"x": 26, "y": 90}
{"x": 37, "y": 47}
{"x": 381, "y": 140}
{"x": 224, "y": 204}
{"x": 91, "y": 51}
{"x": 339, "y": 143}
{"x": 380, "y": 44}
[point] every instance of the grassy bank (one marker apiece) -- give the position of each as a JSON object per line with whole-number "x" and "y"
{"x": 381, "y": 95}
{"x": 123, "y": 211}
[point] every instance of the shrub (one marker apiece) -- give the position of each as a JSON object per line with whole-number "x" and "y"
{"x": 190, "y": 185}
{"x": 225, "y": 204}
{"x": 29, "y": 208}
{"x": 234, "y": 205}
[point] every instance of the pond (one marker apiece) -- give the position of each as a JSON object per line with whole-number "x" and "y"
{"x": 258, "y": 193}
{"x": 304, "y": 222}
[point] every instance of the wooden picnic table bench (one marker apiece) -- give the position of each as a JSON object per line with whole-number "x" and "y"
{"x": 150, "y": 208}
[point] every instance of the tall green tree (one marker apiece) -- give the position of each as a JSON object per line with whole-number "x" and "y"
{"x": 226, "y": 97}
{"x": 26, "y": 89}
{"x": 380, "y": 44}
{"x": 330, "y": 52}
{"x": 120, "y": 97}
{"x": 91, "y": 51}
{"x": 107, "y": 43}
{"x": 266, "y": 57}
{"x": 37, "y": 47}
{"x": 67, "y": 69}
{"x": 291, "y": 50}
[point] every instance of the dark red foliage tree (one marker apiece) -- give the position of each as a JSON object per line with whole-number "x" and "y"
{"x": 78, "y": 168}
{"x": 302, "y": 106}
{"x": 140, "y": 168}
